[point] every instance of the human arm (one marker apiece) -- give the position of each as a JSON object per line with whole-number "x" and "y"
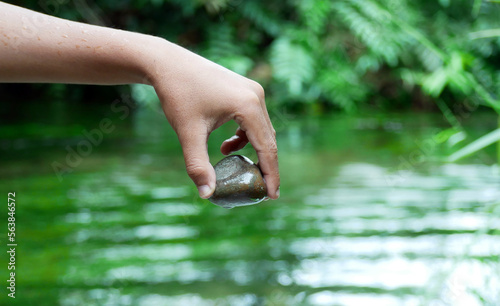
{"x": 197, "y": 95}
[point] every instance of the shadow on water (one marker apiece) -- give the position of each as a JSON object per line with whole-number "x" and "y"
{"x": 366, "y": 217}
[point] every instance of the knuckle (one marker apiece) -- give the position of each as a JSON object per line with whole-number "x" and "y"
{"x": 252, "y": 107}
{"x": 195, "y": 171}
{"x": 249, "y": 101}
{"x": 253, "y": 99}
{"x": 270, "y": 147}
{"x": 258, "y": 90}
{"x": 273, "y": 147}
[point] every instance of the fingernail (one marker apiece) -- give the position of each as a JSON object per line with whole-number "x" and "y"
{"x": 204, "y": 191}
{"x": 278, "y": 193}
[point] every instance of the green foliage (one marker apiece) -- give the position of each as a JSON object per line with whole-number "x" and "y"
{"x": 344, "y": 53}
{"x": 314, "y": 14}
{"x": 263, "y": 19}
{"x": 292, "y": 64}
{"x": 476, "y": 145}
{"x": 223, "y": 48}
{"x": 338, "y": 52}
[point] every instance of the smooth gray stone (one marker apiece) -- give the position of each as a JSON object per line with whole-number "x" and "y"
{"x": 239, "y": 182}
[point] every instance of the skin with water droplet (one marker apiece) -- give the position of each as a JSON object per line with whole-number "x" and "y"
{"x": 239, "y": 183}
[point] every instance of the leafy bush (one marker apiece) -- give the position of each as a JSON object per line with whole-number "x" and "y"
{"x": 346, "y": 53}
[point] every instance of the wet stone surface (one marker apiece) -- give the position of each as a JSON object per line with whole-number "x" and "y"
{"x": 239, "y": 182}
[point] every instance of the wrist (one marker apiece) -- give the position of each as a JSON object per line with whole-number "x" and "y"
{"x": 166, "y": 64}
{"x": 153, "y": 55}
{"x": 139, "y": 57}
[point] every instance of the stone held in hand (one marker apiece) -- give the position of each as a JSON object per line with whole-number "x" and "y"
{"x": 239, "y": 182}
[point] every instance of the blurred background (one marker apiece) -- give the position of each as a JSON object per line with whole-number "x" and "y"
{"x": 387, "y": 119}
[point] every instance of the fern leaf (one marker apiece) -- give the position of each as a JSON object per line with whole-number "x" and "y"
{"x": 314, "y": 14}
{"x": 223, "y": 49}
{"x": 292, "y": 64}
{"x": 262, "y": 18}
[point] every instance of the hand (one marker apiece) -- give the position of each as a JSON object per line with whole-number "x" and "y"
{"x": 198, "y": 96}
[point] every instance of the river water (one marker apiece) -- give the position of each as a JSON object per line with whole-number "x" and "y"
{"x": 368, "y": 216}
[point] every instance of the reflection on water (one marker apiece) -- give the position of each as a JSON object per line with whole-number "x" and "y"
{"x": 129, "y": 229}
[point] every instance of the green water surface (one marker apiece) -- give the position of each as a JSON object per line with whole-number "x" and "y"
{"x": 367, "y": 216}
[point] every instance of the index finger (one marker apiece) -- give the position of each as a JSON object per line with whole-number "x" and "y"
{"x": 258, "y": 128}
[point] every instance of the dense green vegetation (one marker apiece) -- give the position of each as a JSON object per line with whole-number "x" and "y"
{"x": 321, "y": 55}
{"x": 342, "y": 53}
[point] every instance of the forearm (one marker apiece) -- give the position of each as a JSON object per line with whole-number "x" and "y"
{"x": 197, "y": 95}
{"x": 38, "y": 48}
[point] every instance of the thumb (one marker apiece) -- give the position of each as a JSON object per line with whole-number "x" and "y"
{"x": 198, "y": 167}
